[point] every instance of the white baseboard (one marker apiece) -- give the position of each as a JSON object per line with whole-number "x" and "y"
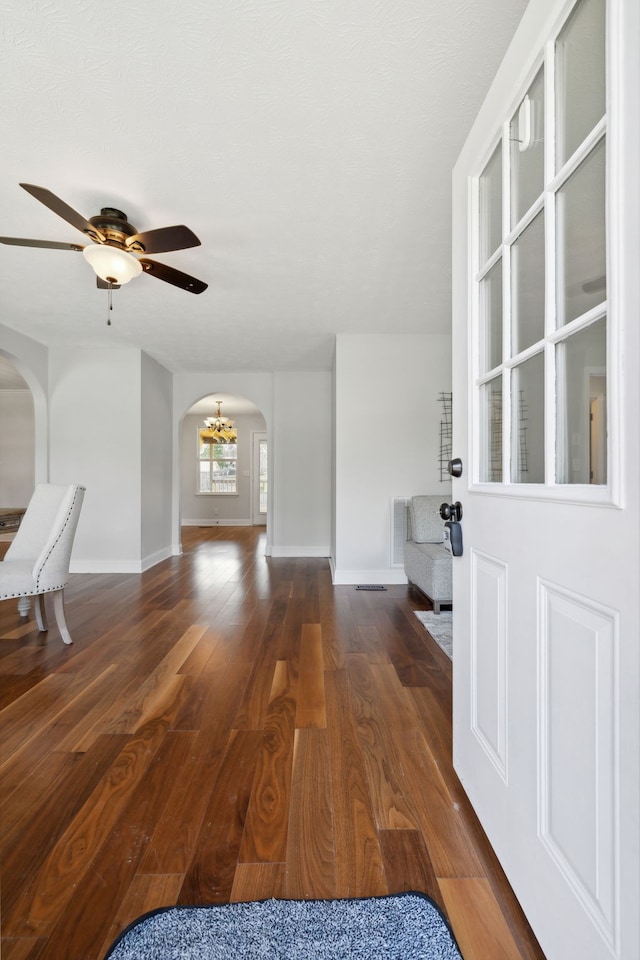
{"x": 300, "y": 551}
{"x": 105, "y": 566}
{"x": 120, "y": 566}
{"x": 389, "y": 575}
{"x": 216, "y": 522}
{"x": 156, "y": 557}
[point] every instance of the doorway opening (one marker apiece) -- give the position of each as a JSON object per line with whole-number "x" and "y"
{"x": 223, "y": 474}
{"x": 17, "y": 436}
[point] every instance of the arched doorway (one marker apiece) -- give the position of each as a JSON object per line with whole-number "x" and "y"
{"x": 221, "y": 483}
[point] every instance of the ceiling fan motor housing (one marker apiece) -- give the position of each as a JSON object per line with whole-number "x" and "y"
{"x": 113, "y": 225}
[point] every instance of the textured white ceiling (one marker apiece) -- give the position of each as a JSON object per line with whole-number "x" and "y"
{"x": 308, "y": 143}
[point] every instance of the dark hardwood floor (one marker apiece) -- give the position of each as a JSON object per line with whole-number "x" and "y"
{"x": 230, "y": 727}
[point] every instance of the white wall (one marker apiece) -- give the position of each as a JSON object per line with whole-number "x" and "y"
{"x": 157, "y": 456}
{"x": 95, "y": 416}
{"x": 207, "y": 509}
{"x": 332, "y": 552}
{"x": 387, "y": 442}
{"x": 17, "y": 462}
{"x": 301, "y": 457}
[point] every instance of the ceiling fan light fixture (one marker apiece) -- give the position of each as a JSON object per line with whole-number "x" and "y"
{"x": 112, "y": 264}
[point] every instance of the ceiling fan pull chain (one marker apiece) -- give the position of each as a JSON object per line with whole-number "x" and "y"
{"x": 109, "y": 303}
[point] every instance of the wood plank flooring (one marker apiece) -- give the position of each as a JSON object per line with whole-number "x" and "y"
{"x": 229, "y": 727}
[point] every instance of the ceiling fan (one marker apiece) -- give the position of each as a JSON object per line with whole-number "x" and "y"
{"x": 115, "y": 246}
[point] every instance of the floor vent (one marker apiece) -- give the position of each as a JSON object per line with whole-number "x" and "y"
{"x": 398, "y": 530}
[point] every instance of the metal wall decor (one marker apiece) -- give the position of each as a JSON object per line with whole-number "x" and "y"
{"x": 446, "y": 434}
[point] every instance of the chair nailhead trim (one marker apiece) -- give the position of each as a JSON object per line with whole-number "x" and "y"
{"x": 62, "y": 529}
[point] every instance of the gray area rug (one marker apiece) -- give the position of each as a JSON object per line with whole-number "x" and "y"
{"x": 440, "y": 626}
{"x": 407, "y": 925}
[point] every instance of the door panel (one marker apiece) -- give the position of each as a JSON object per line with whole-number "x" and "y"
{"x": 546, "y": 595}
{"x": 489, "y": 652}
{"x": 578, "y": 692}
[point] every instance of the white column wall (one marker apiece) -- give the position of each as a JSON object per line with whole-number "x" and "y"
{"x": 387, "y": 442}
{"x": 301, "y": 457}
{"x": 95, "y": 428}
{"x": 156, "y": 461}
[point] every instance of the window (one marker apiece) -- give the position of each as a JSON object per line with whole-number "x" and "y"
{"x": 217, "y": 465}
{"x": 540, "y": 316}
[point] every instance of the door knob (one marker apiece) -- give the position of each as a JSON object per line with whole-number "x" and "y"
{"x": 451, "y": 511}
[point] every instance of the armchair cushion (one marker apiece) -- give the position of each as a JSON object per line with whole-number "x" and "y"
{"x": 425, "y": 523}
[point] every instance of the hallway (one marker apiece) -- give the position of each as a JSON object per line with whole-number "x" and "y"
{"x": 231, "y": 727}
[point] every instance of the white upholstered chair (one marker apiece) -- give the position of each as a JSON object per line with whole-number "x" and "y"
{"x": 37, "y": 562}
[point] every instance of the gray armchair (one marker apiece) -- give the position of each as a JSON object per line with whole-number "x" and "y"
{"x": 427, "y": 561}
{"x": 37, "y": 562}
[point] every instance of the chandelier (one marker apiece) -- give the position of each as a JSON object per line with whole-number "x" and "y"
{"x": 219, "y": 429}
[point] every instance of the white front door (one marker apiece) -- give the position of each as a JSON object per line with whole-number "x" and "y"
{"x": 546, "y": 410}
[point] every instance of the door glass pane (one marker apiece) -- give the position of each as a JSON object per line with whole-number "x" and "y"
{"x": 581, "y": 405}
{"x": 527, "y": 150}
{"x": 580, "y": 76}
{"x": 491, "y": 431}
{"x": 491, "y": 205}
{"x": 527, "y": 421}
{"x": 491, "y": 319}
{"x": 581, "y": 243}
{"x": 527, "y": 286}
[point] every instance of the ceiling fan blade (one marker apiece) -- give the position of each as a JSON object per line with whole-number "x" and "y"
{"x": 171, "y": 275}
{"x": 63, "y": 210}
{"x": 104, "y": 285}
{"x": 164, "y": 239}
{"x": 49, "y": 244}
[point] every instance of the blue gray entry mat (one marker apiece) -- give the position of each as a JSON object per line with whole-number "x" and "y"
{"x": 406, "y": 926}
{"x": 440, "y": 626}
